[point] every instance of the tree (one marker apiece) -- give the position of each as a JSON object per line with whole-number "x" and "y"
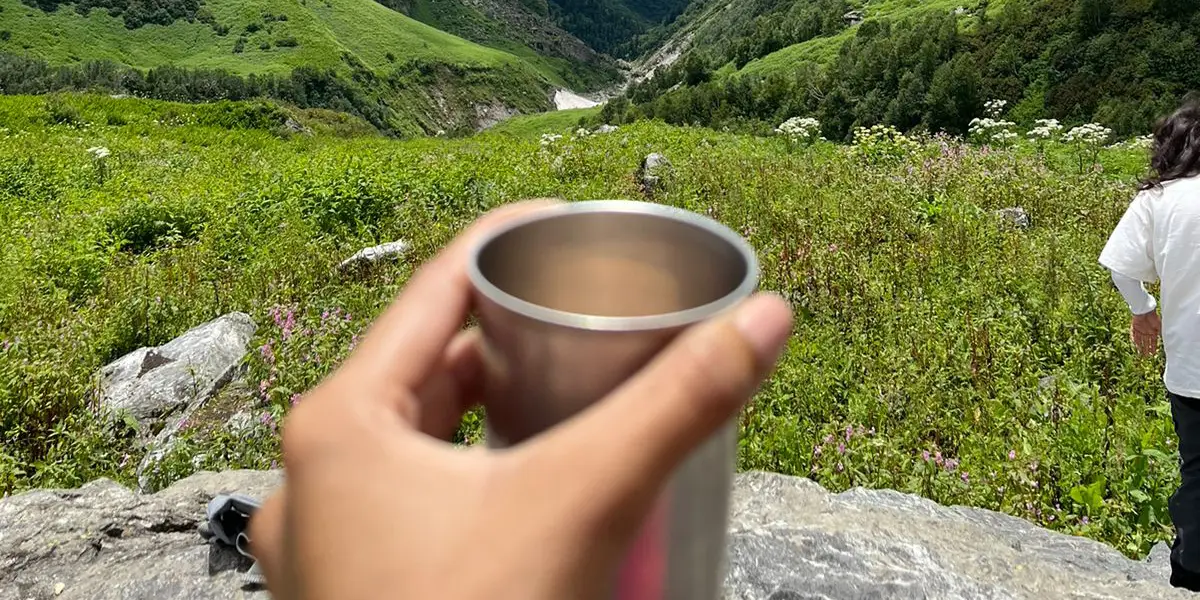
{"x": 954, "y": 95}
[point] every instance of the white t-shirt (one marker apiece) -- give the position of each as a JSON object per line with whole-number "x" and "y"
{"x": 1159, "y": 239}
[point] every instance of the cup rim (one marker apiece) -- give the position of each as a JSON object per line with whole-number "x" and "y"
{"x": 574, "y": 320}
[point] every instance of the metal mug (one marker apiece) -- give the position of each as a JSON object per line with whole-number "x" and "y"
{"x": 572, "y": 301}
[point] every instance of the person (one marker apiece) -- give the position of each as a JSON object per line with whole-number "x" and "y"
{"x": 376, "y": 503}
{"x": 1158, "y": 240}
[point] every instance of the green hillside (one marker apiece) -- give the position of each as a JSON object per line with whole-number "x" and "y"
{"x": 522, "y": 29}
{"x": 932, "y": 64}
{"x": 322, "y": 30}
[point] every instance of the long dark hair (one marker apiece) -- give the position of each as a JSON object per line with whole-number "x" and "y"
{"x": 1176, "y": 150}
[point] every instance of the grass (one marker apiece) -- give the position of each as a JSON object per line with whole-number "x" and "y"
{"x": 549, "y": 122}
{"x": 936, "y": 350}
{"x": 324, "y": 29}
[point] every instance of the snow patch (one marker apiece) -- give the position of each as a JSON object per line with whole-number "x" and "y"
{"x": 566, "y": 99}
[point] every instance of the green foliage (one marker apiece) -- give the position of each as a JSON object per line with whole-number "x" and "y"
{"x": 405, "y": 102}
{"x": 920, "y": 65}
{"x": 923, "y": 324}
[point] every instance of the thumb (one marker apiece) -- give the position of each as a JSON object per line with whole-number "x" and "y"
{"x": 617, "y": 454}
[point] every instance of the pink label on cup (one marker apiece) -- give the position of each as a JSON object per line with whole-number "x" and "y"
{"x": 643, "y": 575}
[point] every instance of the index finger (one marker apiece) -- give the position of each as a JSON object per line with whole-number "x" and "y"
{"x": 407, "y": 341}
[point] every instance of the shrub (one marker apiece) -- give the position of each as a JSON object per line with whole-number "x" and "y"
{"x": 287, "y": 42}
{"x": 139, "y": 226}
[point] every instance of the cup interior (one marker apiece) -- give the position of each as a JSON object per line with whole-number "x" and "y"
{"x": 616, "y": 263}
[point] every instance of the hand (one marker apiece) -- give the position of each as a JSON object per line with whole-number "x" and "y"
{"x": 1145, "y": 332}
{"x": 377, "y": 505}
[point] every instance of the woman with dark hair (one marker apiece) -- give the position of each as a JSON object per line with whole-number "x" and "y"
{"x": 1158, "y": 239}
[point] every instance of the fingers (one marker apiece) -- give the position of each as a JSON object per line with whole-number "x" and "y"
{"x": 627, "y": 445}
{"x": 454, "y": 388}
{"x": 408, "y": 339}
{"x": 267, "y": 545}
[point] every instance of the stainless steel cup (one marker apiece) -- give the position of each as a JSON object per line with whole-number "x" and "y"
{"x": 576, "y": 298}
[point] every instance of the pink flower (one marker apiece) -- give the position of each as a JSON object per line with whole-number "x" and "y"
{"x": 1012, "y": 455}
{"x": 829, "y": 439}
{"x": 267, "y": 420}
{"x": 833, "y": 248}
{"x": 295, "y": 399}
{"x": 951, "y": 464}
{"x": 841, "y": 448}
{"x": 937, "y": 458}
{"x": 849, "y": 432}
{"x": 925, "y": 456}
{"x": 965, "y": 477}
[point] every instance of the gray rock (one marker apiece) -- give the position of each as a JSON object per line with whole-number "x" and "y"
{"x": 293, "y": 126}
{"x": 790, "y": 539}
{"x": 1015, "y": 216}
{"x": 653, "y": 173}
{"x": 1160, "y": 560}
{"x": 373, "y": 255}
{"x": 1048, "y": 383}
{"x": 153, "y": 384}
{"x": 104, "y": 542}
{"x": 853, "y": 17}
{"x": 606, "y": 129}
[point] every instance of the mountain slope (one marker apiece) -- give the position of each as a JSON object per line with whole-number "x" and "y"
{"x": 753, "y": 63}
{"x": 613, "y": 25}
{"x": 524, "y": 29}
{"x": 322, "y": 30}
{"x": 355, "y": 56}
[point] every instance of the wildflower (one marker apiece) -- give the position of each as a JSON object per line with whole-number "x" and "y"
{"x": 1033, "y": 466}
{"x": 849, "y": 432}
{"x": 267, "y": 353}
{"x": 262, "y": 387}
{"x": 267, "y": 420}
{"x": 1035, "y": 485}
{"x": 817, "y": 451}
{"x": 951, "y": 464}
{"x": 937, "y": 458}
{"x": 841, "y": 448}
{"x": 840, "y": 468}
{"x": 814, "y": 469}
{"x": 100, "y": 152}
{"x": 925, "y": 456}
{"x": 871, "y": 431}
{"x": 349, "y": 317}
{"x": 295, "y": 399}
{"x": 965, "y": 477}
{"x": 1012, "y": 455}
{"x": 1091, "y": 134}
{"x": 799, "y": 129}
{"x": 1083, "y": 521}
{"x": 829, "y": 439}
{"x": 833, "y": 248}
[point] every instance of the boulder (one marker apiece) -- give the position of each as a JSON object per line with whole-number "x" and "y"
{"x": 105, "y": 542}
{"x": 654, "y": 172}
{"x": 154, "y": 384}
{"x": 606, "y": 128}
{"x": 1015, "y": 216}
{"x": 374, "y": 255}
{"x": 789, "y": 539}
{"x": 293, "y": 126}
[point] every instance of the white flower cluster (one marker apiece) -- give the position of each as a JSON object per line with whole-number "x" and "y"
{"x": 548, "y": 139}
{"x": 100, "y": 152}
{"x": 799, "y": 129}
{"x": 582, "y": 132}
{"x": 883, "y": 139}
{"x": 1045, "y": 129}
{"x": 1144, "y": 142}
{"x": 1093, "y": 134}
{"x": 994, "y": 108}
{"x": 992, "y": 130}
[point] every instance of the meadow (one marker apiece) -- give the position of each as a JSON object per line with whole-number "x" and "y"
{"x": 937, "y": 349}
